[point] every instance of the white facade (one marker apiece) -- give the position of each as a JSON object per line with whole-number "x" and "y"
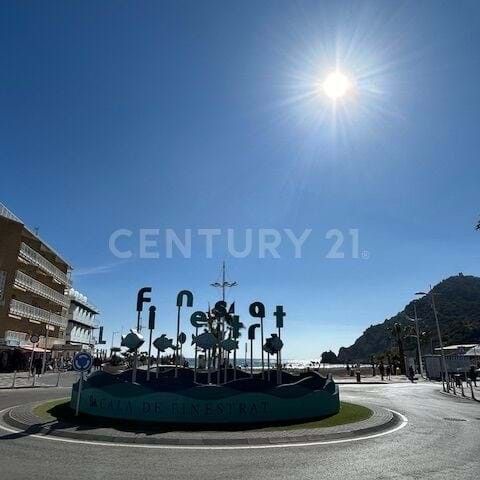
{"x": 81, "y": 320}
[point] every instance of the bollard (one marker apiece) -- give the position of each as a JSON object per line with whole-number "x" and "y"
{"x": 14, "y": 376}
{"x": 463, "y": 391}
{"x": 358, "y": 376}
{"x": 34, "y": 376}
{"x": 58, "y": 378}
{"x": 473, "y": 394}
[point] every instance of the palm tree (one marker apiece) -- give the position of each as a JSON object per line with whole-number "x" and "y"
{"x": 400, "y": 331}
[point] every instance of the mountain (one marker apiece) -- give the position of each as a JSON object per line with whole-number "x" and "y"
{"x": 458, "y": 306}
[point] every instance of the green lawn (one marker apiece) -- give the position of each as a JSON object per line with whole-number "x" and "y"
{"x": 349, "y": 413}
{"x": 45, "y": 410}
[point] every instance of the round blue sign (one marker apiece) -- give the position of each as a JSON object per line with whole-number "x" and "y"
{"x": 82, "y": 361}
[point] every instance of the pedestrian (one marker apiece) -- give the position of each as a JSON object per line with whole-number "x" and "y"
{"x": 411, "y": 374}
{"x": 381, "y": 368}
{"x": 38, "y": 364}
{"x": 389, "y": 372}
{"x": 472, "y": 374}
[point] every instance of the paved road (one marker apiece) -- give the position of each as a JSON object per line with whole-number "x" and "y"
{"x": 429, "y": 447}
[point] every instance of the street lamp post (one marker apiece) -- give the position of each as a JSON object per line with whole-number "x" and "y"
{"x": 113, "y": 336}
{"x": 444, "y": 361}
{"x": 417, "y": 335}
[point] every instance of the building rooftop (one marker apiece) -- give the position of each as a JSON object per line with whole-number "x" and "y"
{"x": 82, "y": 300}
{"x": 5, "y": 212}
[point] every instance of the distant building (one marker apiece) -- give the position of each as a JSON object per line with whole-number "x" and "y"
{"x": 81, "y": 322}
{"x": 34, "y": 284}
{"x": 456, "y": 349}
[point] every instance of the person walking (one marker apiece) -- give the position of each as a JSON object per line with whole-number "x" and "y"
{"x": 381, "y": 368}
{"x": 38, "y": 364}
{"x": 389, "y": 372}
{"x": 411, "y": 374}
{"x": 472, "y": 374}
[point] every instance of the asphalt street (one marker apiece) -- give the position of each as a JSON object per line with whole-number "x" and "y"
{"x": 440, "y": 441}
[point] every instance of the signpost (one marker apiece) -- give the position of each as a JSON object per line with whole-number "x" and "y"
{"x": 257, "y": 310}
{"x": 151, "y": 327}
{"x": 279, "y": 315}
{"x": 189, "y": 297}
{"x": 141, "y": 299}
{"x": 34, "y": 339}
{"x": 251, "y": 337}
{"x": 82, "y": 362}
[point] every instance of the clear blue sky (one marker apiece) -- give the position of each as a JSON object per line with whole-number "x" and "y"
{"x": 205, "y": 115}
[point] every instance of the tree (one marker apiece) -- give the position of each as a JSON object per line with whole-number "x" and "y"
{"x": 329, "y": 357}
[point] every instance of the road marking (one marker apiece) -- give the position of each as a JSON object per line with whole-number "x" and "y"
{"x": 403, "y": 423}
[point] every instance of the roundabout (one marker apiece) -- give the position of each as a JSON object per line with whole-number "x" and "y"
{"x": 55, "y": 420}
{"x": 423, "y": 447}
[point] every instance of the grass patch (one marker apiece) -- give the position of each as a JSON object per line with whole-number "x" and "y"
{"x": 60, "y": 409}
{"x": 349, "y": 413}
{"x": 47, "y": 410}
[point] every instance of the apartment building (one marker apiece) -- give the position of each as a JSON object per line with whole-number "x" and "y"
{"x": 82, "y": 322}
{"x": 34, "y": 292}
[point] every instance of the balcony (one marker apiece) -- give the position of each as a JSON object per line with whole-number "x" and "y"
{"x": 83, "y": 318}
{"x": 34, "y": 313}
{"x": 33, "y": 257}
{"x": 28, "y": 283}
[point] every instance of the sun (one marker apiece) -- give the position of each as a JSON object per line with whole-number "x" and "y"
{"x": 336, "y": 85}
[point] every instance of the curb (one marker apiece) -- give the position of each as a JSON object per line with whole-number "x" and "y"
{"x": 53, "y": 429}
{"x": 458, "y": 397}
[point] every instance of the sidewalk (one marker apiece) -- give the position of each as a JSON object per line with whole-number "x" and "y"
{"x": 22, "y": 380}
{"x": 377, "y": 379}
{"x": 469, "y": 392}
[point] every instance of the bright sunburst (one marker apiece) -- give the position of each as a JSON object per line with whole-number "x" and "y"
{"x": 336, "y": 85}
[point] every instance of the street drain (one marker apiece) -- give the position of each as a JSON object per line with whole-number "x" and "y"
{"x": 455, "y": 419}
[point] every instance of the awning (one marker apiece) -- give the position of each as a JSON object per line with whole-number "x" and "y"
{"x": 474, "y": 352}
{"x": 30, "y": 348}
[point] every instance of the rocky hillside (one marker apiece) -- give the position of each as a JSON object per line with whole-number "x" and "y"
{"x": 458, "y": 307}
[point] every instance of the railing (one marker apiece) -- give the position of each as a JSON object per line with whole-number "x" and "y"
{"x": 29, "y": 311}
{"x": 5, "y": 212}
{"x": 83, "y": 319}
{"x": 32, "y": 285}
{"x": 84, "y": 303}
{"x": 36, "y": 259}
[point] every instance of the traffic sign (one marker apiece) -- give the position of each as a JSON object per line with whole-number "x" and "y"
{"x": 34, "y": 338}
{"x": 82, "y": 362}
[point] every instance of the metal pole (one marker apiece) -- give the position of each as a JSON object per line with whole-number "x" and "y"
{"x": 176, "y": 348}
{"x": 80, "y": 385}
{"x": 235, "y": 364}
{"x": 445, "y": 371}
{"x": 251, "y": 358}
{"x": 135, "y": 355}
{"x": 158, "y": 359}
{"x": 196, "y": 358}
{"x": 44, "y": 363}
{"x": 261, "y": 345}
{"x": 279, "y": 363}
{"x": 268, "y": 366}
{"x": 418, "y": 341}
{"x": 31, "y": 361}
{"x": 209, "y": 374}
{"x": 149, "y": 355}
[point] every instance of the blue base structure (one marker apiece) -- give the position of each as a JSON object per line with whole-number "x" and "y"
{"x": 179, "y": 400}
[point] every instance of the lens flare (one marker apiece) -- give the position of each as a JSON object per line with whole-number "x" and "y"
{"x": 336, "y": 85}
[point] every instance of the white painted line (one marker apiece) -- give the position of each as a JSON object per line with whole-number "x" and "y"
{"x": 211, "y": 447}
